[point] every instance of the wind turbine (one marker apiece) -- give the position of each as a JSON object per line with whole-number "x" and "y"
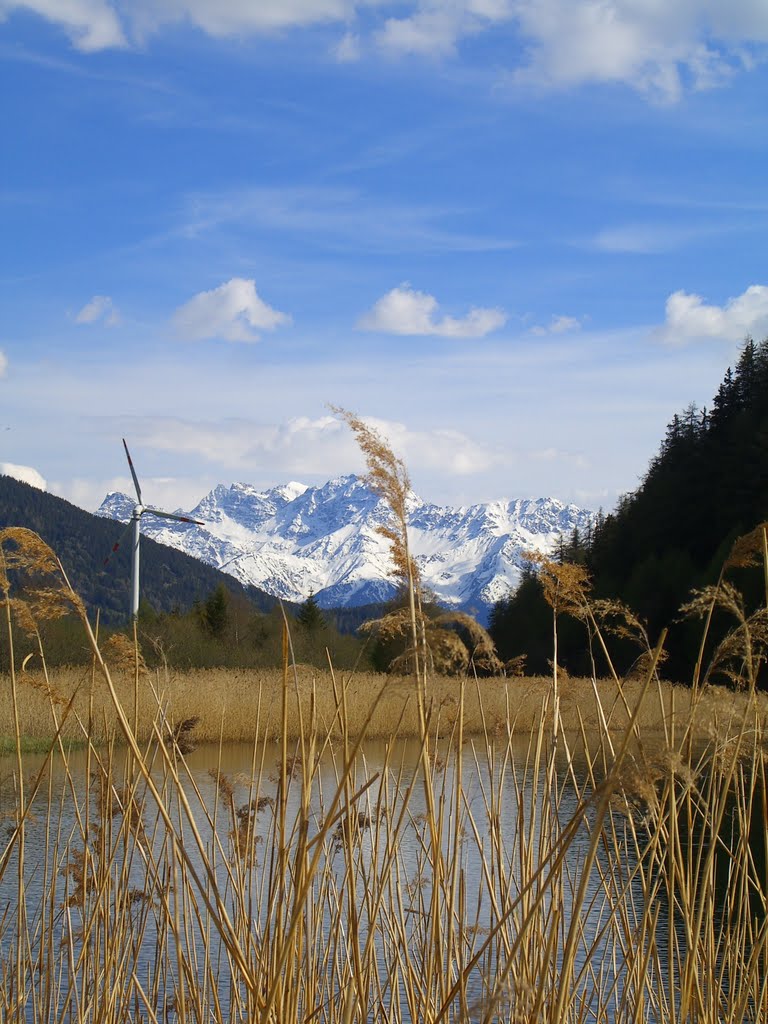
{"x": 139, "y": 510}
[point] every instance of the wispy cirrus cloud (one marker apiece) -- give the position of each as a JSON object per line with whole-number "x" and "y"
{"x": 336, "y": 219}
{"x": 652, "y": 238}
{"x": 404, "y": 310}
{"x": 689, "y": 317}
{"x": 3, "y": 363}
{"x": 233, "y": 312}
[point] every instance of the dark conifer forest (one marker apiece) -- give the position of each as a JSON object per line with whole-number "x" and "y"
{"x": 707, "y": 485}
{"x": 191, "y": 615}
{"x": 170, "y": 580}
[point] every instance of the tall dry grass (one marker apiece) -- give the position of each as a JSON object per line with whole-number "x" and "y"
{"x": 566, "y": 852}
{"x": 622, "y": 881}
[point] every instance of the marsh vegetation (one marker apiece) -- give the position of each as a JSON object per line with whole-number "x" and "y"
{"x": 506, "y": 850}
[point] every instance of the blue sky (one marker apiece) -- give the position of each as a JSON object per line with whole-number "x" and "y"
{"x": 516, "y": 235}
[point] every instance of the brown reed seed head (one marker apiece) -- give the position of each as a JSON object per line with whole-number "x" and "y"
{"x": 451, "y": 642}
{"x": 24, "y": 549}
{"x": 747, "y": 550}
{"x": 123, "y": 655}
{"x": 746, "y": 643}
{"x": 22, "y": 616}
{"x": 724, "y": 596}
{"x": 619, "y": 620}
{"x": 566, "y": 585}
{"x": 29, "y": 560}
{"x": 475, "y": 638}
{"x": 387, "y": 477}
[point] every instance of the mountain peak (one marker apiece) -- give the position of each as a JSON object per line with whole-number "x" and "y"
{"x": 294, "y": 539}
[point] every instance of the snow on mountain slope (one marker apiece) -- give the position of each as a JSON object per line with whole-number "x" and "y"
{"x": 293, "y": 540}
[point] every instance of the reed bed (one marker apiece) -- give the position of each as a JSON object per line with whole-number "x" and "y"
{"x": 244, "y": 706}
{"x": 553, "y": 850}
{"x": 502, "y": 877}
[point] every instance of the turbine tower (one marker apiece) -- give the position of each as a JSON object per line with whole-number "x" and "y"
{"x": 139, "y": 510}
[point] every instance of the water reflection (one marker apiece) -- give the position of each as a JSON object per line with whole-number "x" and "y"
{"x": 242, "y": 882}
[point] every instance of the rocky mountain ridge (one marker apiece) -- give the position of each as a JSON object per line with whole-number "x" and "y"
{"x": 293, "y": 540}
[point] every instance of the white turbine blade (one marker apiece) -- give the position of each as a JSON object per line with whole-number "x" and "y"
{"x": 172, "y": 515}
{"x": 133, "y": 472}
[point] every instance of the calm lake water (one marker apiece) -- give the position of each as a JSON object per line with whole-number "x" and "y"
{"x": 502, "y": 819}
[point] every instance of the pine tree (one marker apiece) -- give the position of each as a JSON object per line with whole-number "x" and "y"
{"x": 215, "y": 612}
{"x": 309, "y": 616}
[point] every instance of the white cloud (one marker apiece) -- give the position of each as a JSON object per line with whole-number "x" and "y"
{"x": 435, "y": 29}
{"x": 239, "y": 17}
{"x": 242, "y": 446}
{"x": 233, "y": 311}
{"x": 348, "y": 49}
{"x": 557, "y": 325}
{"x": 304, "y": 447}
{"x": 406, "y": 311}
{"x": 90, "y": 24}
{"x": 433, "y": 32}
{"x": 26, "y": 474}
{"x": 689, "y": 316}
{"x": 3, "y": 363}
{"x": 442, "y": 450}
{"x": 99, "y": 308}
{"x": 553, "y": 454}
{"x": 657, "y": 47}
{"x": 95, "y": 24}
{"x": 170, "y": 493}
{"x": 654, "y": 47}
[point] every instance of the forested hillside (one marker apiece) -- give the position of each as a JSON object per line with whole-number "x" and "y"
{"x": 169, "y": 579}
{"x": 707, "y": 485}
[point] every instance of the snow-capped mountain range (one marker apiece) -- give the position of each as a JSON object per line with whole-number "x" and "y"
{"x": 293, "y": 540}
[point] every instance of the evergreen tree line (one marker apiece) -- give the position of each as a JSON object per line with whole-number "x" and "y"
{"x": 707, "y": 485}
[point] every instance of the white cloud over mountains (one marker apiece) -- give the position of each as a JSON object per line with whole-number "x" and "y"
{"x": 690, "y": 317}
{"x": 26, "y": 474}
{"x": 406, "y": 311}
{"x": 234, "y": 312}
{"x": 304, "y": 446}
{"x": 656, "y": 48}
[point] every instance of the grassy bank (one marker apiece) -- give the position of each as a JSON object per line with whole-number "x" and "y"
{"x": 243, "y": 705}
